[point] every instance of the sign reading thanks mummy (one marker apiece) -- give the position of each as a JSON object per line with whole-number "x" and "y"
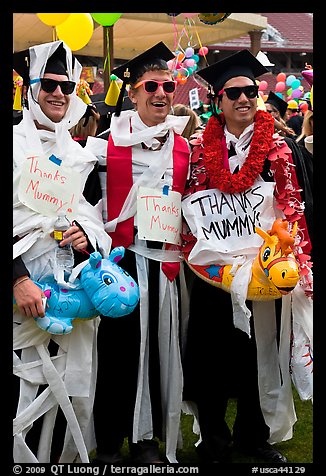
{"x": 225, "y": 223}
{"x": 46, "y": 186}
{"x": 159, "y": 215}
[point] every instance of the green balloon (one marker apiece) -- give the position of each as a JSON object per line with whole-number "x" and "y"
{"x": 106, "y": 19}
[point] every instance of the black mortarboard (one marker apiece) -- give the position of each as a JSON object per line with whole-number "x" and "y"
{"x": 242, "y": 63}
{"x": 277, "y": 102}
{"x": 133, "y": 69}
{"x": 56, "y": 63}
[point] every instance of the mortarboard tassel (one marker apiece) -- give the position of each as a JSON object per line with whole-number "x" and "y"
{"x": 118, "y": 108}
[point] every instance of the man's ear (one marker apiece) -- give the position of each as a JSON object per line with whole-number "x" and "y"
{"x": 132, "y": 96}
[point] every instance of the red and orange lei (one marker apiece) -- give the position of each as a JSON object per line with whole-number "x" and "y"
{"x": 215, "y": 150}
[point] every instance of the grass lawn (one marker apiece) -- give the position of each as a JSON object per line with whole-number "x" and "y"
{"x": 297, "y": 450}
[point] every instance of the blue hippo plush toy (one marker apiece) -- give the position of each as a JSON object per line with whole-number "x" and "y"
{"x": 105, "y": 288}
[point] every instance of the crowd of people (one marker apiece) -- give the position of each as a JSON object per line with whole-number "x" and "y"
{"x": 189, "y": 346}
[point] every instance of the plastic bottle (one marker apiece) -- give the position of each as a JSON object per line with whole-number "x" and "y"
{"x": 64, "y": 255}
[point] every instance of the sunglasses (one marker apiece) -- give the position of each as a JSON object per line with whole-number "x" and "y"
{"x": 235, "y": 92}
{"x": 50, "y": 85}
{"x": 151, "y": 86}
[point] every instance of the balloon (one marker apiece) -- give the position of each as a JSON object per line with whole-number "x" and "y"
{"x": 289, "y": 92}
{"x": 189, "y": 52}
{"x": 106, "y": 19}
{"x": 296, "y": 93}
{"x": 182, "y": 79}
{"x": 295, "y": 84}
{"x": 203, "y": 51}
{"x": 262, "y": 85}
{"x": 279, "y": 95}
{"x": 280, "y": 86}
{"x": 76, "y": 31}
{"x": 290, "y": 79}
{"x": 304, "y": 107}
{"x": 281, "y": 77}
{"x": 196, "y": 58}
{"x": 53, "y": 19}
{"x": 190, "y": 62}
{"x": 170, "y": 64}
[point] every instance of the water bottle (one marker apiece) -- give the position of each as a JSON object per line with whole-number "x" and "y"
{"x": 64, "y": 255}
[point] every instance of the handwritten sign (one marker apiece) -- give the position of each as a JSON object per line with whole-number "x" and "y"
{"x": 224, "y": 224}
{"x": 46, "y": 186}
{"x": 159, "y": 215}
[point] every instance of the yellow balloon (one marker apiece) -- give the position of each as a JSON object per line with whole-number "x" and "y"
{"x": 76, "y": 31}
{"x": 53, "y": 19}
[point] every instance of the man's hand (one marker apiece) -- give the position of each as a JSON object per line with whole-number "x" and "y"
{"x": 28, "y": 297}
{"x": 76, "y": 237}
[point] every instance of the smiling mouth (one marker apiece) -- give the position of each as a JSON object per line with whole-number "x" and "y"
{"x": 159, "y": 104}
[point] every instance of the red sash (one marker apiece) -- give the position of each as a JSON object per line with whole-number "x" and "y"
{"x": 119, "y": 183}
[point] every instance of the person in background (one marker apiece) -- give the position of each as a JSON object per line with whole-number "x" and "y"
{"x": 139, "y": 385}
{"x": 85, "y": 128}
{"x": 306, "y": 137}
{"x": 294, "y": 119}
{"x": 194, "y": 123}
{"x": 233, "y": 348}
{"x": 277, "y": 107}
{"x": 54, "y": 375}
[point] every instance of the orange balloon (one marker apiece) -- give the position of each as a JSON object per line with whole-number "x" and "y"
{"x": 281, "y": 77}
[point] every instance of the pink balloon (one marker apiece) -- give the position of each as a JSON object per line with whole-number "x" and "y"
{"x": 281, "y": 77}
{"x": 189, "y": 62}
{"x": 203, "y": 51}
{"x": 262, "y": 85}
{"x": 280, "y": 86}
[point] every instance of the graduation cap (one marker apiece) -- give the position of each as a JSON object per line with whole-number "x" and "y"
{"x": 242, "y": 63}
{"x": 56, "y": 63}
{"x": 277, "y": 102}
{"x": 130, "y": 71}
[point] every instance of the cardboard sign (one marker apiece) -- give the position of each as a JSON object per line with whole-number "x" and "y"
{"x": 225, "y": 223}
{"x": 159, "y": 215}
{"x": 46, "y": 186}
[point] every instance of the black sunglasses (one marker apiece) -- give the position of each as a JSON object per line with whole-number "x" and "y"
{"x": 235, "y": 92}
{"x": 50, "y": 85}
{"x": 150, "y": 86}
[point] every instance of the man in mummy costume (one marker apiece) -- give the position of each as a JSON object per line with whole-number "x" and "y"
{"x": 54, "y": 375}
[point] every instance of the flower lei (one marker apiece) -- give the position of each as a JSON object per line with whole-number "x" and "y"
{"x": 214, "y": 150}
